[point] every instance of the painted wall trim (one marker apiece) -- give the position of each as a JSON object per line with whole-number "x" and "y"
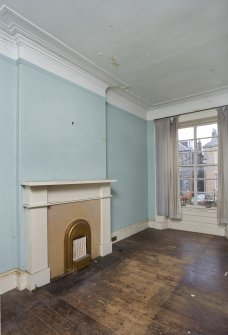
{"x": 162, "y": 223}
{"x": 21, "y": 280}
{"x": 67, "y": 182}
{"x": 8, "y": 280}
{"x": 203, "y": 228}
{"x": 158, "y": 225}
{"x": 21, "y": 39}
{"x": 195, "y": 103}
{"x": 130, "y": 230}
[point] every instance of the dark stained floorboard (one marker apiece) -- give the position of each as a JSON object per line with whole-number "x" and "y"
{"x": 154, "y": 283}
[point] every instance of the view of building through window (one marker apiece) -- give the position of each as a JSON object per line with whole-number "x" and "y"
{"x": 198, "y": 165}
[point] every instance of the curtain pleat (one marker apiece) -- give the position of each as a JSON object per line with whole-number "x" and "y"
{"x": 223, "y": 165}
{"x": 174, "y": 194}
{"x": 162, "y": 166}
{"x": 167, "y": 190}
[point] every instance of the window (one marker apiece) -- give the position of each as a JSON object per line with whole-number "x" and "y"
{"x": 198, "y": 165}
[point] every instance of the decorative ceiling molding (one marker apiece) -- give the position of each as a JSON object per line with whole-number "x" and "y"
{"x": 7, "y": 45}
{"x": 21, "y": 39}
{"x": 195, "y": 103}
{"x": 115, "y": 98}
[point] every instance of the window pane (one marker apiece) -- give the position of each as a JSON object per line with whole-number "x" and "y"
{"x": 210, "y": 156}
{"x": 207, "y": 172}
{"x": 201, "y": 199}
{"x": 207, "y": 186}
{"x": 208, "y": 142}
{"x": 186, "y": 185}
{"x": 208, "y": 130}
{"x": 186, "y": 172}
{"x": 211, "y": 199}
{"x": 201, "y": 159}
{"x": 199, "y": 145}
{"x": 206, "y": 199}
{"x": 186, "y": 146}
{"x": 211, "y": 186}
{"x": 200, "y": 185}
{"x": 186, "y": 158}
{"x": 186, "y": 133}
{"x": 186, "y": 191}
{"x": 207, "y": 157}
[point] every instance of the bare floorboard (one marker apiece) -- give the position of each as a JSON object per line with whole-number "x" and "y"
{"x": 154, "y": 283}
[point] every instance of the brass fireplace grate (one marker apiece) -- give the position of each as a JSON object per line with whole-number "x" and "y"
{"x": 77, "y": 245}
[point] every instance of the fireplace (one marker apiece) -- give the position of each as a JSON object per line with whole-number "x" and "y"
{"x": 67, "y": 224}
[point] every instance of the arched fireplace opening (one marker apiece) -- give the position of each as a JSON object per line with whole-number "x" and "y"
{"x": 77, "y": 246}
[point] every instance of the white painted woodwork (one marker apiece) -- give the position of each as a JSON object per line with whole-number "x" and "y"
{"x": 37, "y": 196}
{"x": 67, "y": 182}
{"x": 195, "y": 219}
{"x": 130, "y": 230}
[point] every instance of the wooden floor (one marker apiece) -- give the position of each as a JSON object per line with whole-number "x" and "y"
{"x": 155, "y": 282}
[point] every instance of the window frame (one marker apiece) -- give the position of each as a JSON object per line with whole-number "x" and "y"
{"x": 194, "y": 124}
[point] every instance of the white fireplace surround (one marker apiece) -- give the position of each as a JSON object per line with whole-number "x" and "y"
{"x": 37, "y": 197}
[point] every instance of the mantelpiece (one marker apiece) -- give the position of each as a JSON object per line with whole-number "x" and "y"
{"x": 37, "y": 198}
{"x": 67, "y": 182}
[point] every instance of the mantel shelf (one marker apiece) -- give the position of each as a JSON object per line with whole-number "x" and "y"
{"x": 67, "y": 182}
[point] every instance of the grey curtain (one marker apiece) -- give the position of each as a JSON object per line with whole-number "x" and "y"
{"x": 167, "y": 190}
{"x": 223, "y": 165}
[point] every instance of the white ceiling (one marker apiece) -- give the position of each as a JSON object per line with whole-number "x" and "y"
{"x": 163, "y": 50}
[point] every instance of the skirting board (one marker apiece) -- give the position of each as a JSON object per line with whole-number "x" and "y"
{"x": 8, "y": 281}
{"x": 20, "y": 279}
{"x": 12, "y": 279}
{"x": 130, "y": 230}
{"x": 160, "y": 225}
{"x": 199, "y": 228}
{"x": 187, "y": 226}
{"x": 163, "y": 223}
{"x": 105, "y": 248}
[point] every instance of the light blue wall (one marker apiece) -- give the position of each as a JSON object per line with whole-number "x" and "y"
{"x": 62, "y": 132}
{"x": 39, "y": 142}
{"x": 151, "y": 169}
{"x": 53, "y": 148}
{"x": 8, "y": 98}
{"x": 127, "y": 162}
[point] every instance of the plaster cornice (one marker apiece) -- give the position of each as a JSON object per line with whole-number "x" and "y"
{"x": 202, "y": 101}
{"x": 116, "y": 99}
{"x": 21, "y": 39}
